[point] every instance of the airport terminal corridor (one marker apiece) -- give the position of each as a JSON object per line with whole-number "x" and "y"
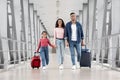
{"x": 52, "y": 26}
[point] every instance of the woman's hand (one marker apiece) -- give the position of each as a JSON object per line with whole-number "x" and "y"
{"x": 55, "y": 46}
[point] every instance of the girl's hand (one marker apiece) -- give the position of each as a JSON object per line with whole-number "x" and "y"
{"x": 36, "y": 51}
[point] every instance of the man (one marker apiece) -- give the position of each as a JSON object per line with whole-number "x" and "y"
{"x": 74, "y": 38}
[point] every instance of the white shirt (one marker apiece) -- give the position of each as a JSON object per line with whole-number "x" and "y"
{"x": 74, "y": 32}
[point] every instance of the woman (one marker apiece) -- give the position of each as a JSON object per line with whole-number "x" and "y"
{"x": 59, "y": 41}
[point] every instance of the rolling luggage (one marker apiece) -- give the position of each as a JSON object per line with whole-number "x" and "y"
{"x": 85, "y": 60}
{"x": 35, "y": 62}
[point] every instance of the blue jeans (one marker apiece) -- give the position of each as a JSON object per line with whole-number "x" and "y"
{"x": 72, "y": 45}
{"x": 60, "y": 50}
{"x": 44, "y": 55}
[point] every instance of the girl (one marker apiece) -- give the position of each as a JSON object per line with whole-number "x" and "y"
{"x": 59, "y": 41}
{"x": 43, "y": 46}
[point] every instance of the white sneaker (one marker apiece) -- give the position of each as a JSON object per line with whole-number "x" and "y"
{"x": 73, "y": 67}
{"x": 44, "y": 68}
{"x": 78, "y": 65}
{"x": 61, "y": 67}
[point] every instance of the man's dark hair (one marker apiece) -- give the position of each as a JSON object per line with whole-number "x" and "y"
{"x": 72, "y": 13}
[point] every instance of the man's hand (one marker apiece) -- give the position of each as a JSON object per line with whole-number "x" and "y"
{"x": 82, "y": 43}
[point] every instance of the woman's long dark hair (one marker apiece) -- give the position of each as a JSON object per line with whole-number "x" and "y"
{"x": 63, "y": 24}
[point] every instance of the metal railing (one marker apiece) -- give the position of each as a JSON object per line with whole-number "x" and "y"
{"x": 106, "y": 51}
{"x": 19, "y": 56}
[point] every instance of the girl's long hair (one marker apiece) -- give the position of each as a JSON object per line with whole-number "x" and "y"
{"x": 63, "y": 24}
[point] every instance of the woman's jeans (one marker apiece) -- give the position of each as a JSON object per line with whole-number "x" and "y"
{"x": 74, "y": 45}
{"x": 60, "y": 50}
{"x": 44, "y": 56}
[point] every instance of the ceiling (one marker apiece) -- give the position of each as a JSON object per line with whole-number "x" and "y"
{"x": 49, "y": 11}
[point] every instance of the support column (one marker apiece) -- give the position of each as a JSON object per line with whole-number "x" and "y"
{"x": 29, "y": 32}
{"x": 116, "y": 31}
{"x": 85, "y": 21}
{"x": 32, "y": 27}
{"x": 23, "y": 31}
{"x": 11, "y": 32}
{"x": 35, "y": 27}
{"x": 4, "y": 50}
{"x": 17, "y": 11}
{"x": 92, "y": 26}
{"x": 101, "y": 7}
{"x": 81, "y": 16}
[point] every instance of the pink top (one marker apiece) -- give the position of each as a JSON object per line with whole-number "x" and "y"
{"x": 58, "y": 33}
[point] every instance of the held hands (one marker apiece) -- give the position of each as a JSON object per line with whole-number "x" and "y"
{"x": 36, "y": 51}
{"x": 66, "y": 43}
{"x": 54, "y": 46}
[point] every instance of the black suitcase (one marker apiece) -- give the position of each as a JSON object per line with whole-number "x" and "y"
{"x": 85, "y": 60}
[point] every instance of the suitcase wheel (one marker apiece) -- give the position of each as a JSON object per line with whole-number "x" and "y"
{"x": 89, "y": 66}
{"x": 37, "y": 67}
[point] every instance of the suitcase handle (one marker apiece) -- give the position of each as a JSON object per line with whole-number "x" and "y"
{"x": 85, "y": 47}
{"x": 36, "y": 53}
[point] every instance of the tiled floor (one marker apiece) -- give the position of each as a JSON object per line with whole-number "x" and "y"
{"x": 24, "y": 72}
